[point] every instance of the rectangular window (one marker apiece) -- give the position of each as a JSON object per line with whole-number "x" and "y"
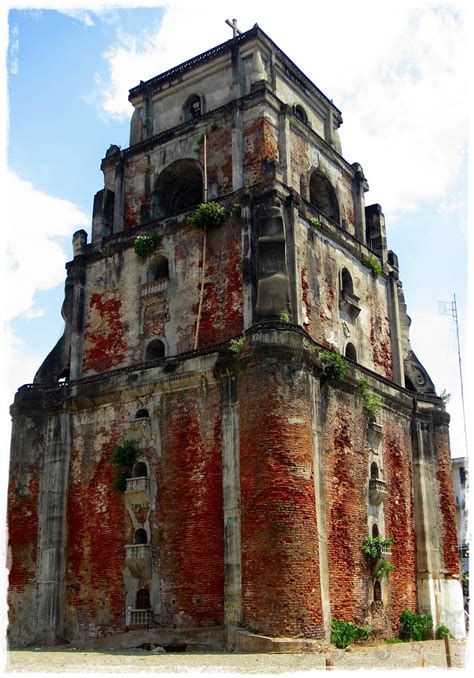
{"x": 462, "y": 475}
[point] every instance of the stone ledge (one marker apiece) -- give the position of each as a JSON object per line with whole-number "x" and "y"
{"x": 244, "y": 641}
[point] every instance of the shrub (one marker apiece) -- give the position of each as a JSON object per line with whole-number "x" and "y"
{"x": 285, "y": 318}
{"x": 415, "y": 626}
{"x": 123, "y": 458}
{"x": 442, "y": 632}
{"x": 384, "y": 569}
{"x": 372, "y": 401}
{"x": 236, "y": 345}
{"x": 143, "y": 245}
{"x": 207, "y": 214}
{"x": 374, "y": 265}
{"x": 373, "y": 547}
{"x": 315, "y": 223}
{"x": 445, "y": 396}
{"x": 125, "y": 455}
{"x": 235, "y": 210}
{"x": 344, "y": 633}
{"x": 335, "y": 365}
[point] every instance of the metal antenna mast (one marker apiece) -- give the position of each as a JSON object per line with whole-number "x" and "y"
{"x": 450, "y": 308}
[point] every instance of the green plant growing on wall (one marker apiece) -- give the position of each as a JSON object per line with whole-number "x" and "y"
{"x": 344, "y": 633}
{"x": 309, "y": 346}
{"x": 315, "y": 222}
{"x": 123, "y": 459}
{"x": 415, "y": 626}
{"x": 442, "y": 632}
{"x": 237, "y": 345}
{"x": 372, "y": 401}
{"x": 373, "y": 264}
{"x": 235, "y": 210}
{"x": 334, "y": 365}
{"x": 285, "y": 318}
{"x": 445, "y": 396}
{"x": 207, "y": 214}
{"x": 143, "y": 245}
{"x": 384, "y": 569}
{"x": 374, "y": 546}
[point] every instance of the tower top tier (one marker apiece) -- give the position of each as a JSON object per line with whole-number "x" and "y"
{"x": 226, "y": 73}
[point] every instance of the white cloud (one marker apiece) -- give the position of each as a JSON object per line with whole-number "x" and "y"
{"x": 397, "y": 72}
{"x": 34, "y": 258}
{"x": 81, "y": 15}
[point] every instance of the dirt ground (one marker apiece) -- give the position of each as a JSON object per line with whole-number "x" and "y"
{"x": 401, "y": 656}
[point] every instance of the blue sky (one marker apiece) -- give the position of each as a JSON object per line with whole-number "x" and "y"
{"x": 400, "y": 85}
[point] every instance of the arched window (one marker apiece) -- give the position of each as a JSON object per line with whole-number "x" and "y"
{"x": 140, "y": 470}
{"x": 178, "y": 188}
{"x": 375, "y": 531}
{"x": 374, "y": 471}
{"x": 300, "y": 113}
{"x": 142, "y": 601}
{"x": 377, "y": 592}
{"x": 347, "y": 286}
{"x": 140, "y": 536}
{"x": 157, "y": 269}
{"x": 155, "y": 350}
{"x": 142, "y": 414}
{"x": 192, "y": 107}
{"x": 351, "y": 353}
{"x": 323, "y": 196}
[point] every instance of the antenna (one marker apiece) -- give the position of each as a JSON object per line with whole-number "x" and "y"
{"x": 450, "y": 308}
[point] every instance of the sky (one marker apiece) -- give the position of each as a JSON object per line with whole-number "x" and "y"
{"x": 398, "y": 72}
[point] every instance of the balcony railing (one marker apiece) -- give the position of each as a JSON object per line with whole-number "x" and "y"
{"x": 350, "y": 303}
{"x": 140, "y": 617}
{"x": 154, "y": 287}
{"x": 138, "y": 560}
{"x": 141, "y": 484}
{"x": 377, "y": 490}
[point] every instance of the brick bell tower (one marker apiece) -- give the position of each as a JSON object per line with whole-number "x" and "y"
{"x": 202, "y": 348}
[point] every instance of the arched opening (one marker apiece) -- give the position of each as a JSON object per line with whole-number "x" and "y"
{"x": 140, "y": 470}
{"x": 323, "y": 196}
{"x": 374, "y": 471}
{"x": 347, "y": 286}
{"x": 375, "y": 531}
{"x": 192, "y": 107}
{"x": 178, "y": 188}
{"x": 300, "y": 113}
{"x": 142, "y": 414}
{"x": 140, "y": 536}
{"x": 64, "y": 375}
{"x": 155, "y": 350}
{"x": 142, "y": 600}
{"x": 377, "y": 592}
{"x": 157, "y": 269}
{"x": 351, "y": 352}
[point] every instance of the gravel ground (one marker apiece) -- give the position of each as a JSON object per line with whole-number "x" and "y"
{"x": 400, "y": 656}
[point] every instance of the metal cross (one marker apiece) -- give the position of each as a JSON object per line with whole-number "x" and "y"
{"x": 233, "y": 25}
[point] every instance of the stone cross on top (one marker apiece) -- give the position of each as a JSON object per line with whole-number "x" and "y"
{"x": 233, "y": 25}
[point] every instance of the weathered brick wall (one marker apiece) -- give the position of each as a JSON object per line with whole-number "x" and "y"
{"x": 346, "y": 479}
{"x": 120, "y": 320}
{"x": 96, "y": 532}
{"x": 280, "y": 576}
{"x": 447, "y": 506}
{"x": 188, "y": 524}
{"x": 22, "y": 517}
{"x": 260, "y": 144}
{"x": 222, "y": 312}
{"x": 305, "y": 157}
{"x": 396, "y": 446}
{"x": 321, "y": 262}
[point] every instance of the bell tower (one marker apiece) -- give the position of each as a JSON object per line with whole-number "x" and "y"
{"x": 234, "y": 405}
